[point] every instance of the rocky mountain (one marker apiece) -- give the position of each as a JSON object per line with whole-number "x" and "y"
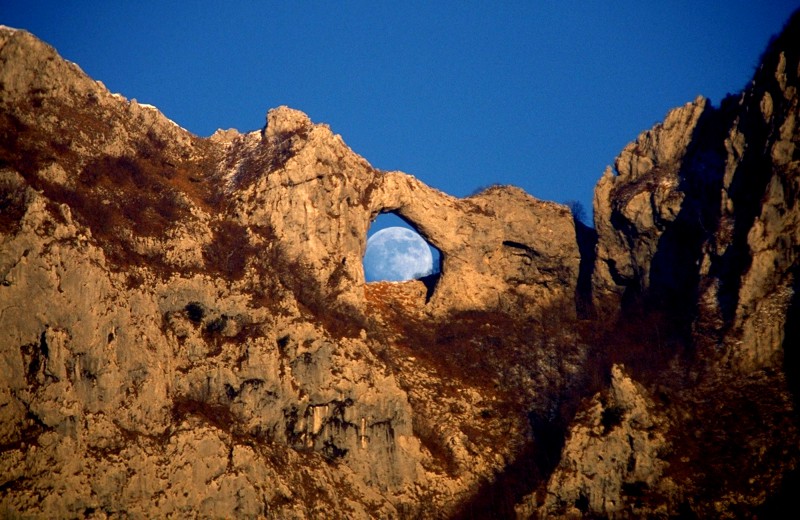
{"x": 187, "y": 330}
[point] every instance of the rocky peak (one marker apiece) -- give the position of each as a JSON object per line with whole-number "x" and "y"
{"x": 203, "y": 301}
{"x": 493, "y": 245}
{"x": 682, "y": 222}
{"x": 188, "y": 318}
{"x": 636, "y": 203}
{"x": 285, "y": 121}
{"x": 665, "y": 145}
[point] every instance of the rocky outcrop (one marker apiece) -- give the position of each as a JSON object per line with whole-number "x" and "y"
{"x": 612, "y": 454}
{"x": 699, "y": 215}
{"x": 697, "y": 261}
{"x": 188, "y": 317}
{"x": 500, "y": 249}
{"x": 488, "y": 265}
{"x": 637, "y": 202}
{"x": 187, "y": 331}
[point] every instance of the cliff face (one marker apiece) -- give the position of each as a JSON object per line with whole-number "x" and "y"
{"x": 188, "y": 318}
{"x": 320, "y": 200}
{"x": 696, "y": 257}
{"x": 187, "y": 329}
{"x": 700, "y": 218}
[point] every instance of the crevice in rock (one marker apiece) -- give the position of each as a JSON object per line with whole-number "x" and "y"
{"x": 430, "y": 282}
{"x": 587, "y": 243}
{"x": 675, "y": 268}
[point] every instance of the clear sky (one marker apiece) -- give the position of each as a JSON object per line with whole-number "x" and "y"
{"x": 539, "y": 94}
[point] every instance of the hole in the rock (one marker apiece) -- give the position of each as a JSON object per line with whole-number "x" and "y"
{"x": 397, "y": 252}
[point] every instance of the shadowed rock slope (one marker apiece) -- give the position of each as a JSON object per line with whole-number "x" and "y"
{"x": 696, "y": 264}
{"x": 187, "y": 331}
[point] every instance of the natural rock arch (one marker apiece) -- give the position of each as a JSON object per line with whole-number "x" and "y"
{"x": 500, "y": 248}
{"x": 497, "y": 243}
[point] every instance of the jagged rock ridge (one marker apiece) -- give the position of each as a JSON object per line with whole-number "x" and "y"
{"x": 697, "y": 233}
{"x": 202, "y": 311}
{"x": 188, "y": 331}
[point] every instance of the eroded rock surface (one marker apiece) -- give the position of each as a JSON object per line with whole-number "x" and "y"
{"x": 187, "y": 317}
{"x": 614, "y": 447}
{"x": 699, "y": 215}
{"x": 187, "y": 331}
{"x": 501, "y": 248}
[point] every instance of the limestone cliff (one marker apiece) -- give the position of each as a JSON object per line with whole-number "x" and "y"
{"x": 698, "y": 215}
{"x": 696, "y": 256}
{"x": 187, "y": 330}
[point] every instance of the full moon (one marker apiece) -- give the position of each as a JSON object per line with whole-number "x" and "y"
{"x": 396, "y": 254}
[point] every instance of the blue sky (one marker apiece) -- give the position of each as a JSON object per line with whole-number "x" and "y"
{"x": 542, "y": 95}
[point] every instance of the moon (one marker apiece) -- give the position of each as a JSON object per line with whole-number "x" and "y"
{"x": 397, "y": 254}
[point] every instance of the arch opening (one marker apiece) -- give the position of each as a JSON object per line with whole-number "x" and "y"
{"x": 397, "y": 252}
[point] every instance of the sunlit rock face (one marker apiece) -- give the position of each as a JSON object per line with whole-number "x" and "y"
{"x": 699, "y": 214}
{"x": 641, "y": 197}
{"x": 187, "y": 317}
{"x": 186, "y": 328}
{"x": 501, "y": 248}
{"x": 614, "y": 445}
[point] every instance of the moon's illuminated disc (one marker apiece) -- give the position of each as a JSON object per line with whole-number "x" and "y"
{"x": 396, "y": 254}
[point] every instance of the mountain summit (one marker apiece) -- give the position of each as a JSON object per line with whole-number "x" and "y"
{"x": 187, "y": 330}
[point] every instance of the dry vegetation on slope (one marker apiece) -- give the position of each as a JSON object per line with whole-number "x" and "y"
{"x": 187, "y": 318}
